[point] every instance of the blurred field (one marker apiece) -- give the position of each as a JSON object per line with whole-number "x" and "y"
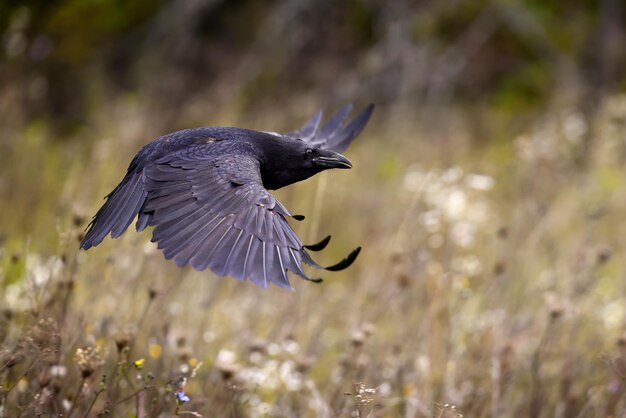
{"x": 491, "y": 283}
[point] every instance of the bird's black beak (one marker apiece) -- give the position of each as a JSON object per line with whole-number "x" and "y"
{"x": 331, "y": 159}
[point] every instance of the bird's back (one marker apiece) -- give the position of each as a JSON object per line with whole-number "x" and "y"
{"x": 215, "y": 141}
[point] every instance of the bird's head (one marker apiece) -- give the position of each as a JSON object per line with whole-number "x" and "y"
{"x": 322, "y": 159}
{"x": 295, "y": 160}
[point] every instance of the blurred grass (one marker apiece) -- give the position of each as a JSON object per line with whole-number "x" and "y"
{"x": 490, "y": 284}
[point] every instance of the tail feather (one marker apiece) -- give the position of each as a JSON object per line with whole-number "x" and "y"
{"x": 117, "y": 213}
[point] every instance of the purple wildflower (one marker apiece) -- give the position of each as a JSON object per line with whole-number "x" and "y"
{"x": 181, "y": 397}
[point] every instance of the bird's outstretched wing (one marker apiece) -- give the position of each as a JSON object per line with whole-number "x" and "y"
{"x": 333, "y": 135}
{"x": 213, "y": 212}
{"x": 119, "y": 210}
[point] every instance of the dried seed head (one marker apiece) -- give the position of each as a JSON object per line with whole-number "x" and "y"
{"x": 184, "y": 354}
{"x": 303, "y": 364}
{"x": 44, "y": 334}
{"x": 258, "y": 346}
{"x": 78, "y": 220}
{"x": 604, "y": 255}
{"x": 228, "y": 371}
{"x": 357, "y": 339}
{"x": 7, "y": 314}
{"x": 361, "y": 335}
{"x": 404, "y": 281}
{"x": 88, "y": 360}
{"x": 556, "y": 312}
{"x": 70, "y": 284}
{"x": 499, "y": 268}
{"x": 122, "y": 341}
{"x": 363, "y": 394}
{"x": 153, "y": 292}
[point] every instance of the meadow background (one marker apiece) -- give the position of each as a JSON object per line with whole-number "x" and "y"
{"x": 488, "y": 192}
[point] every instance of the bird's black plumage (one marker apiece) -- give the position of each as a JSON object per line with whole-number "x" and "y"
{"x": 205, "y": 191}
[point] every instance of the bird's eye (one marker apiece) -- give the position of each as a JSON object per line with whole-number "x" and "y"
{"x": 308, "y": 152}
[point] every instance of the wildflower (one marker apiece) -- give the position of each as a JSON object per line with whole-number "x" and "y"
{"x": 612, "y": 314}
{"x": 181, "y": 397}
{"x": 479, "y": 182}
{"x": 58, "y": 370}
{"x": 155, "y": 350}
{"x": 226, "y": 357}
{"x": 139, "y": 363}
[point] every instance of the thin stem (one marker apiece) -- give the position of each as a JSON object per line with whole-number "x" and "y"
{"x": 135, "y": 393}
{"x": 93, "y": 402}
{"x": 76, "y": 397}
{"x": 28, "y": 369}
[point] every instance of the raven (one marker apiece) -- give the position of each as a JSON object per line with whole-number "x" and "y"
{"x": 205, "y": 191}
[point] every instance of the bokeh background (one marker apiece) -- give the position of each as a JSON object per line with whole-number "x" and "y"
{"x": 488, "y": 193}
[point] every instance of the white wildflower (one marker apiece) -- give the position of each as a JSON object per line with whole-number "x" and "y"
{"x": 291, "y": 347}
{"x": 469, "y": 265}
{"x": 574, "y": 127}
{"x": 430, "y": 220}
{"x": 479, "y": 182}
{"x": 58, "y": 370}
{"x": 463, "y": 234}
{"x": 273, "y": 349}
{"x": 291, "y": 378}
{"x": 423, "y": 364}
{"x": 226, "y": 357}
{"x": 612, "y": 314}
{"x": 208, "y": 336}
{"x": 456, "y": 204}
{"x": 452, "y": 175}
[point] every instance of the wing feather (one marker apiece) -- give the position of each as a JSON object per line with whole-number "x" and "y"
{"x": 118, "y": 211}
{"x": 333, "y": 135}
{"x": 216, "y": 214}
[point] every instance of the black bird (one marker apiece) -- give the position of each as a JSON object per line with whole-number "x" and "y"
{"x": 205, "y": 191}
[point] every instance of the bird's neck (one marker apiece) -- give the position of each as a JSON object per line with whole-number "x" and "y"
{"x": 275, "y": 177}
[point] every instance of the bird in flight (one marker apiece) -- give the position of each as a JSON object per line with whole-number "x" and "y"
{"x": 205, "y": 192}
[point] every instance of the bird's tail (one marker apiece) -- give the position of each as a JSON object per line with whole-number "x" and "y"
{"x": 119, "y": 210}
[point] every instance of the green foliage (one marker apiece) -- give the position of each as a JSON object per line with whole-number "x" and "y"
{"x": 524, "y": 90}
